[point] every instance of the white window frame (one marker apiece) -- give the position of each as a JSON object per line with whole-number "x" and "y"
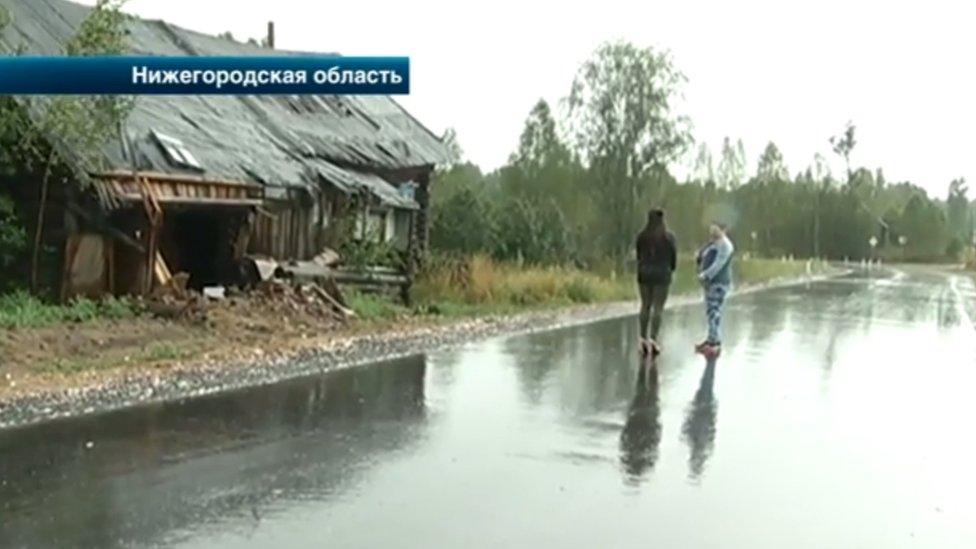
{"x": 177, "y": 152}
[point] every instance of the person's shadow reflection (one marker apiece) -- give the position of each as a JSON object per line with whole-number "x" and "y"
{"x": 699, "y": 425}
{"x": 641, "y": 435}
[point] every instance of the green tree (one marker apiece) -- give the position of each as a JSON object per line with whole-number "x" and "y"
{"x": 732, "y": 167}
{"x": 61, "y": 130}
{"x": 843, "y": 145}
{"x": 768, "y": 199}
{"x": 771, "y": 166}
{"x": 703, "y": 169}
{"x": 454, "y": 151}
{"x": 538, "y": 187}
{"x": 960, "y": 221}
{"x": 879, "y": 178}
{"x": 539, "y": 145}
{"x": 452, "y": 180}
{"x": 625, "y": 128}
{"x": 923, "y": 224}
{"x": 820, "y": 181}
{"x": 463, "y": 222}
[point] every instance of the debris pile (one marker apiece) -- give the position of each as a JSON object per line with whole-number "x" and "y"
{"x": 306, "y": 298}
{"x": 305, "y": 292}
{"x": 174, "y": 300}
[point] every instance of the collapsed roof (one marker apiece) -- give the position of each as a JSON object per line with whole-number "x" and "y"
{"x": 276, "y": 141}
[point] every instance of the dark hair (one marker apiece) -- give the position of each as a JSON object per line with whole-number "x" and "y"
{"x": 655, "y": 232}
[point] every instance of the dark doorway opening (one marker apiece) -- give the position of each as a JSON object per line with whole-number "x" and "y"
{"x": 200, "y": 243}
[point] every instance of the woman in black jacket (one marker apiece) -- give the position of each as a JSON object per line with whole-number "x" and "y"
{"x": 657, "y": 257}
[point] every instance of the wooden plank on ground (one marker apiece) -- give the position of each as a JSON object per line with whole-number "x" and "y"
{"x": 162, "y": 272}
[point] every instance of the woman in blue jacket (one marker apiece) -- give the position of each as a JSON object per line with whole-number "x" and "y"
{"x": 715, "y": 274}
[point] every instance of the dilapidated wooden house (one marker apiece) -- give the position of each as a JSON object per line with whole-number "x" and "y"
{"x": 192, "y": 183}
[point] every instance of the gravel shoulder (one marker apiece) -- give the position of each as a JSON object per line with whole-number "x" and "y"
{"x": 101, "y": 392}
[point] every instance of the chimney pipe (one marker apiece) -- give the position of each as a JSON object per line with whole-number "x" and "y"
{"x": 271, "y": 34}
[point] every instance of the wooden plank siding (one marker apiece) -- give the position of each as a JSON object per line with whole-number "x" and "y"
{"x": 298, "y": 229}
{"x": 181, "y": 189}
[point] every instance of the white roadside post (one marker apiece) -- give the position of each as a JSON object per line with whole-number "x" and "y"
{"x": 873, "y": 241}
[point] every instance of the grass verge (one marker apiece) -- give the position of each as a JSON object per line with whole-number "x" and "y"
{"x": 154, "y": 353}
{"x": 479, "y": 286}
{"x": 22, "y": 310}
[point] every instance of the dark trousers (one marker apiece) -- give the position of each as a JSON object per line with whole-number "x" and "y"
{"x": 653, "y": 298}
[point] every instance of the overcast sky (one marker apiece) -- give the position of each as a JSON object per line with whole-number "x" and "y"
{"x": 760, "y": 70}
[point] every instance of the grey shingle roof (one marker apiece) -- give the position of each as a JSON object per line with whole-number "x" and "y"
{"x": 281, "y": 141}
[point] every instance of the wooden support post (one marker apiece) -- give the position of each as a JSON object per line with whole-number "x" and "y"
{"x": 154, "y": 213}
{"x": 243, "y": 237}
{"x": 70, "y": 249}
{"x": 39, "y": 230}
{"x": 110, "y": 264}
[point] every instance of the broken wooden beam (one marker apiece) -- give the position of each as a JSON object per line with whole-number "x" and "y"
{"x": 101, "y": 225}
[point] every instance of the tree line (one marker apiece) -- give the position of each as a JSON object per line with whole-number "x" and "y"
{"x": 576, "y": 189}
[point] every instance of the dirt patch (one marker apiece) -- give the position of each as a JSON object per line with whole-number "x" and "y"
{"x": 40, "y": 351}
{"x": 65, "y": 355}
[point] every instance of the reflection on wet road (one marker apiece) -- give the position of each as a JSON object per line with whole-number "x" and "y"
{"x": 839, "y": 415}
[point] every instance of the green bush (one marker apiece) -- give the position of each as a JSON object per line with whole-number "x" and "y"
{"x": 955, "y": 248}
{"x": 580, "y": 290}
{"x": 22, "y": 310}
{"x": 369, "y": 252}
{"x": 80, "y": 309}
{"x": 13, "y": 243}
{"x": 117, "y": 307}
{"x": 374, "y": 306}
{"x": 165, "y": 351}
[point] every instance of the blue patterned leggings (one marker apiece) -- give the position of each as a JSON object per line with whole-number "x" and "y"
{"x": 714, "y": 298}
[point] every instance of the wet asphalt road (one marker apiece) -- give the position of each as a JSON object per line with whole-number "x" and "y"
{"x": 839, "y": 415}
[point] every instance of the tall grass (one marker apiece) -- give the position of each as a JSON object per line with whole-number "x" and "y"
{"x": 481, "y": 281}
{"x": 374, "y": 306}
{"x": 22, "y": 310}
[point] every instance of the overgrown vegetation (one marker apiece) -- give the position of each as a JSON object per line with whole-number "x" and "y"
{"x": 22, "y": 310}
{"x": 370, "y": 307}
{"x": 369, "y": 251}
{"x": 43, "y": 131}
{"x": 13, "y": 244}
{"x": 41, "y": 136}
{"x": 480, "y": 284}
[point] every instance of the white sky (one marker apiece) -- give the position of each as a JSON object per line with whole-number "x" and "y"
{"x": 760, "y": 70}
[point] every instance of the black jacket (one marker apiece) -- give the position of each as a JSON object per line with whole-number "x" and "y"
{"x": 656, "y": 260}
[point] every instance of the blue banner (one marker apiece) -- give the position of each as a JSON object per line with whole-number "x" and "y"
{"x": 249, "y": 75}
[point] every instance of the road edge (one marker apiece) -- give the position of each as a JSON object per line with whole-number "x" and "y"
{"x": 209, "y": 378}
